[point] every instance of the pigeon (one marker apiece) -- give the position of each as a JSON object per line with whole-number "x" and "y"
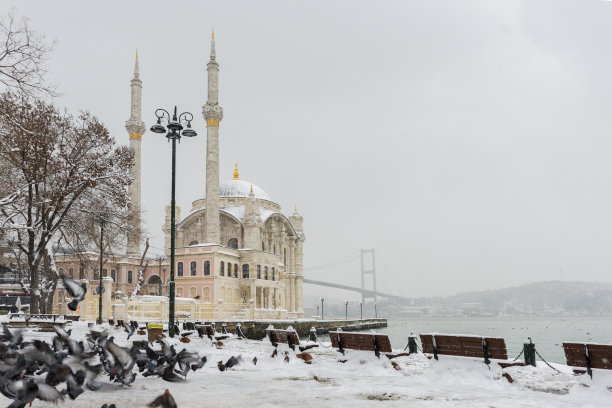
{"x": 108, "y": 406}
{"x": 229, "y": 363}
{"x": 199, "y": 365}
{"x": 130, "y": 330}
{"x": 75, "y": 290}
{"x": 166, "y": 400}
{"x": 255, "y": 360}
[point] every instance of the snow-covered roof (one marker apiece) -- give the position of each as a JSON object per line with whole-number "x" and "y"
{"x": 241, "y": 188}
{"x": 236, "y": 210}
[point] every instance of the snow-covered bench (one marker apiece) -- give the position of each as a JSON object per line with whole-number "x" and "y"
{"x": 487, "y": 348}
{"x": 289, "y": 337}
{"x": 588, "y": 356}
{"x": 208, "y": 330}
{"x": 378, "y": 343}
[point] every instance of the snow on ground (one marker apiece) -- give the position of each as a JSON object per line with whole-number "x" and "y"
{"x": 363, "y": 381}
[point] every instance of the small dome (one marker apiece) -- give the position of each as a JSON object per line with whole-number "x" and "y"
{"x": 241, "y": 188}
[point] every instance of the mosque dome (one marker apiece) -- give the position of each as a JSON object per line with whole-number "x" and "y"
{"x": 241, "y": 188}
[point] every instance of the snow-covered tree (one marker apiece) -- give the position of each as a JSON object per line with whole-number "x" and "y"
{"x": 59, "y": 172}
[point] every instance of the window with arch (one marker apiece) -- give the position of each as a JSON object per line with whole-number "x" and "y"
{"x": 71, "y": 273}
{"x": 130, "y": 274}
{"x": 193, "y": 268}
{"x": 233, "y": 243}
{"x": 179, "y": 291}
{"x": 114, "y": 275}
{"x": 104, "y": 272}
{"x": 265, "y": 272}
{"x": 273, "y": 273}
{"x": 245, "y": 271}
{"x": 285, "y": 256}
{"x": 61, "y": 271}
{"x": 179, "y": 269}
{"x": 235, "y": 270}
{"x": 96, "y": 274}
{"x": 274, "y": 248}
{"x": 81, "y": 272}
{"x": 263, "y": 246}
{"x": 222, "y": 269}
{"x": 206, "y": 294}
{"x": 193, "y": 292}
{"x": 192, "y": 243}
{"x": 206, "y": 268}
{"x": 258, "y": 271}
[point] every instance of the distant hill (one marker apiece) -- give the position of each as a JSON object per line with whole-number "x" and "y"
{"x": 554, "y": 297}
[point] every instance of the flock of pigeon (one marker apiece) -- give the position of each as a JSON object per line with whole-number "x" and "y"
{"x": 35, "y": 369}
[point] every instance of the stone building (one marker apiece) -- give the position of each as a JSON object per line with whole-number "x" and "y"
{"x": 237, "y": 255}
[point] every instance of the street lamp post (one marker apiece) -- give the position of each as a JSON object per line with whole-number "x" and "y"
{"x": 100, "y": 287}
{"x": 322, "y": 300}
{"x": 173, "y": 132}
{"x": 360, "y": 311}
{"x": 346, "y": 310}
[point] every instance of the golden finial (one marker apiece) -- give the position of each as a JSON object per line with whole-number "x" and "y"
{"x": 295, "y": 208}
{"x": 236, "y": 174}
{"x": 213, "y": 34}
{"x": 251, "y": 188}
{"x": 136, "y": 54}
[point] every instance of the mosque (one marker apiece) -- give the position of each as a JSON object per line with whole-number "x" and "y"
{"x": 237, "y": 255}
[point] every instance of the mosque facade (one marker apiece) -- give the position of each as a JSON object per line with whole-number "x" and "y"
{"x": 236, "y": 253}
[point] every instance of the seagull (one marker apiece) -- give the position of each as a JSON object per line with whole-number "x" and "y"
{"x": 75, "y": 290}
{"x": 130, "y": 330}
{"x": 166, "y": 400}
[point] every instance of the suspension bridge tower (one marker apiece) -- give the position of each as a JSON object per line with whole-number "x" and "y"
{"x": 368, "y": 267}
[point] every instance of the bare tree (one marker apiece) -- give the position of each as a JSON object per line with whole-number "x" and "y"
{"x": 23, "y": 55}
{"x": 59, "y": 168}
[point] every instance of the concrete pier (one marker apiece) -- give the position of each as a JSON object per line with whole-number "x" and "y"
{"x": 255, "y": 329}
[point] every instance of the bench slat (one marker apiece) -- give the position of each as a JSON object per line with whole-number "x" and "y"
{"x": 361, "y": 341}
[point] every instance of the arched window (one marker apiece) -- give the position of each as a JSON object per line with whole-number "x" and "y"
{"x": 233, "y": 243}
{"x": 222, "y": 269}
{"x": 207, "y": 294}
{"x": 179, "y": 292}
{"x": 179, "y": 269}
{"x": 265, "y": 272}
{"x": 263, "y": 246}
{"x": 81, "y": 272}
{"x": 130, "y": 273}
{"x": 71, "y": 273}
{"x": 114, "y": 275}
{"x": 273, "y": 273}
{"x": 192, "y": 292}
{"x": 96, "y": 274}
{"x": 61, "y": 271}
{"x": 235, "y": 270}
{"x": 206, "y": 268}
{"x": 285, "y": 256}
{"x": 245, "y": 271}
{"x": 193, "y": 265}
{"x": 274, "y": 248}
{"x": 104, "y": 272}
{"x": 258, "y": 271}
{"x": 192, "y": 243}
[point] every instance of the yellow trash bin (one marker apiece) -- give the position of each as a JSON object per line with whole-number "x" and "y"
{"x": 154, "y": 331}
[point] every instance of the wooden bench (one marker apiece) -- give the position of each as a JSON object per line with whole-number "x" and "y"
{"x": 36, "y": 316}
{"x": 72, "y": 318}
{"x": 208, "y": 330}
{"x": 486, "y": 348}
{"x": 589, "y": 356}
{"x": 378, "y": 343}
{"x": 289, "y": 337}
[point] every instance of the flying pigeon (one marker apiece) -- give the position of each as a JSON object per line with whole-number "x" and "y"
{"x": 75, "y": 290}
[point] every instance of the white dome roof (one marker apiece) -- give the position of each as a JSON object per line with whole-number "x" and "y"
{"x": 241, "y": 188}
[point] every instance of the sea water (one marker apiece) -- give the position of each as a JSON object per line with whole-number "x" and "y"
{"x": 548, "y": 333}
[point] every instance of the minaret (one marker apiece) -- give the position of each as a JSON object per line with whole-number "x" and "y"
{"x": 213, "y": 114}
{"x": 136, "y": 128}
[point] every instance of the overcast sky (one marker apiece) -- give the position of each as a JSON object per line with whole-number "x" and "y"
{"x": 468, "y": 142}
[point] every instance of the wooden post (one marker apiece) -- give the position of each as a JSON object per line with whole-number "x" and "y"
{"x": 412, "y": 344}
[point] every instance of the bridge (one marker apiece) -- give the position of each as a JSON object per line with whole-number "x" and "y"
{"x": 368, "y": 276}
